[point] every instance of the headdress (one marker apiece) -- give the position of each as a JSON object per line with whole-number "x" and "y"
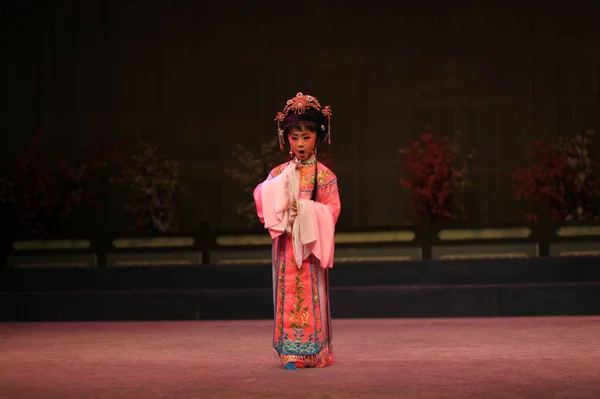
{"x": 301, "y": 105}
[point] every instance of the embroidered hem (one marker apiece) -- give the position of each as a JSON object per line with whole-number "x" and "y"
{"x": 322, "y": 359}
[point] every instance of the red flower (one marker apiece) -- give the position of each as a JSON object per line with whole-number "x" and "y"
{"x": 44, "y": 184}
{"x": 432, "y": 176}
{"x": 561, "y": 177}
{"x": 427, "y": 137}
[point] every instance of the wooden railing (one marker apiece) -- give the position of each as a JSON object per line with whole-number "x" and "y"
{"x": 208, "y": 246}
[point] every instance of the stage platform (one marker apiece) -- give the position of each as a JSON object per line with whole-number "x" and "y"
{"x": 529, "y": 357}
{"x": 438, "y": 288}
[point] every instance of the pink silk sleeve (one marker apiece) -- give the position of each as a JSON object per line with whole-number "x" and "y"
{"x": 315, "y": 226}
{"x": 258, "y": 202}
{"x": 257, "y": 194}
{"x": 272, "y": 198}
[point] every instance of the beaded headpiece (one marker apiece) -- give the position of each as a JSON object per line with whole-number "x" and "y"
{"x": 299, "y": 105}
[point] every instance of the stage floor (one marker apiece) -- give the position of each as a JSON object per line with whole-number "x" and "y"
{"x": 549, "y": 357}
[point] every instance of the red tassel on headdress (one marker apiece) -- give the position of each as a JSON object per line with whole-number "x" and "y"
{"x": 280, "y": 135}
{"x": 327, "y": 112}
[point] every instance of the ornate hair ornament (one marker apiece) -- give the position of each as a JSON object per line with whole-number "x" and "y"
{"x": 299, "y": 105}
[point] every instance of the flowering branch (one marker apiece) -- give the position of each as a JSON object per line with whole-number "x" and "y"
{"x": 153, "y": 183}
{"x": 40, "y": 186}
{"x": 563, "y": 176}
{"x": 436, "y": 176}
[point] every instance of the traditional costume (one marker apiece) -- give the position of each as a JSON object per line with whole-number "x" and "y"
{"x": 303, "y": 242}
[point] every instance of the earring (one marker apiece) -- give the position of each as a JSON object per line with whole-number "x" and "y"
{"x": 291, "y": 153}
{"x": 315, "y": 151}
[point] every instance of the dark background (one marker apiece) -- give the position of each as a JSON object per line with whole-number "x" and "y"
{"x": 196, "y": 78}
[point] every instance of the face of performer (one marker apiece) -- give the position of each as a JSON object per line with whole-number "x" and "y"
{"x": 302, "y": 142}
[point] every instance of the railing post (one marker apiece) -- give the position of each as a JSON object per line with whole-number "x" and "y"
{"x": 207, "y": 238}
